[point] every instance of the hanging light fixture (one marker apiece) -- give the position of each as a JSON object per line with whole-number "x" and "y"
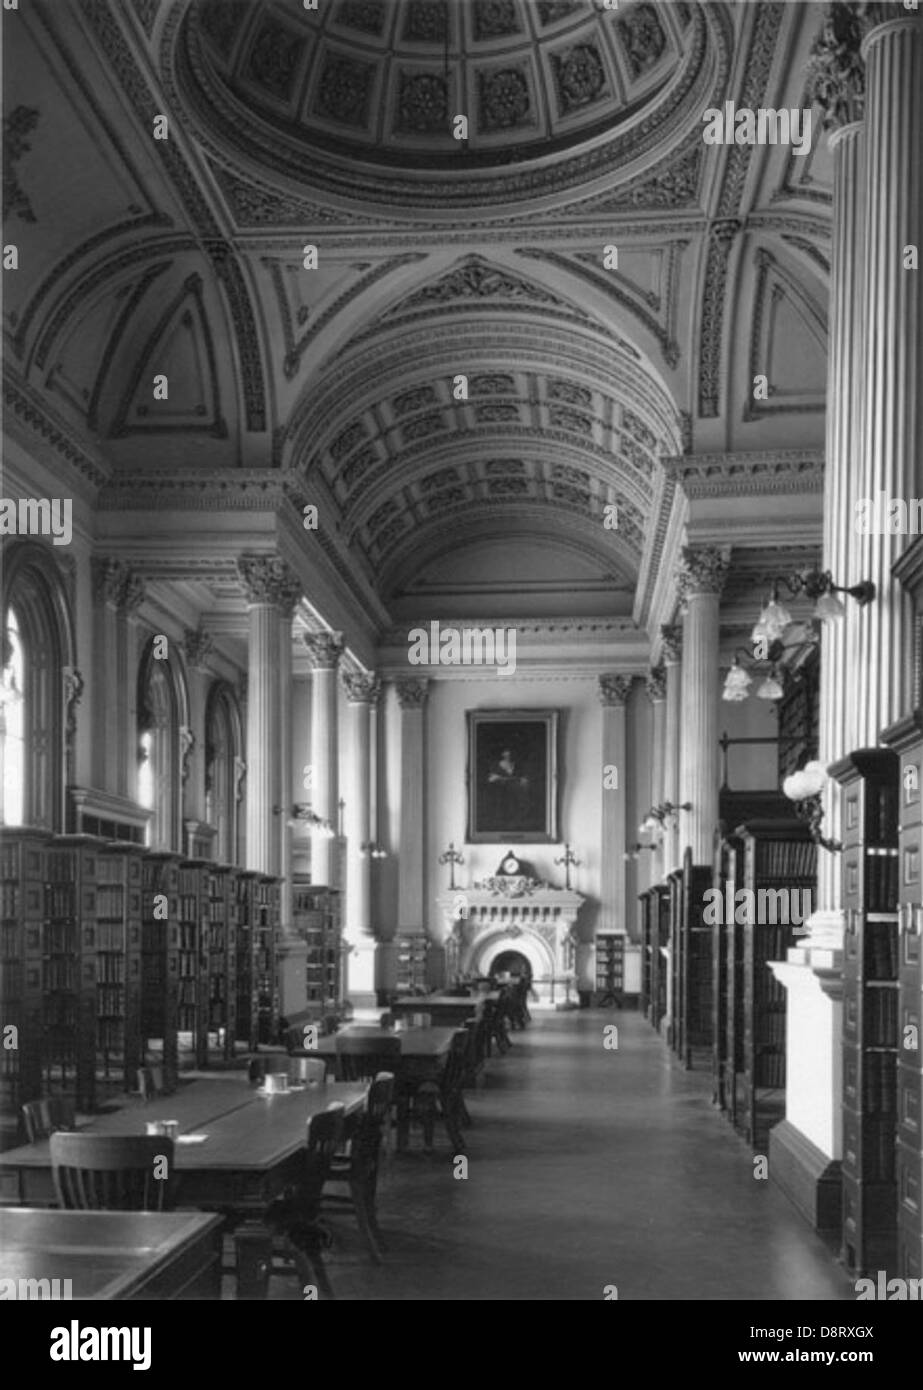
{"x": 771, "y": 688}
{"x": 737, "y": 683}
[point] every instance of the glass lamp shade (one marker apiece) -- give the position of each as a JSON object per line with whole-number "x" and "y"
{"x": 829, "y": 606}
{"x": 771, "y": 688}
{"x": 737, "y": 684}
{"x": 775, "y": 619}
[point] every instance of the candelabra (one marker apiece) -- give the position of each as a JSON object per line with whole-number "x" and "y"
{"x": 451, "y": 857}
{"x": 569, "y": 860}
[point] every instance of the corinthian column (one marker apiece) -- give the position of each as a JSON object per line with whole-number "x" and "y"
{"x": 361, "y": 693}
{"x": 324, "y": 650}
{"x": 411, "y": 696}
{"x": 118, "y": 593}
{"x": 700, "y": 581}
{"x": 197, "y": 646}
{"x": 613, "y": 692}
{"x": 670, "y": 648}
{"x": 270, "y": 587}
{"x": 893, "y": 53}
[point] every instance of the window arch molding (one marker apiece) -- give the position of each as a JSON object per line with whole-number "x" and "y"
{"x": 34, "y": 589}
{"x": 163, "y": 739}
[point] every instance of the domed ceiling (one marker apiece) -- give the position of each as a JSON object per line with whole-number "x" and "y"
{"x": 378, "y": 85}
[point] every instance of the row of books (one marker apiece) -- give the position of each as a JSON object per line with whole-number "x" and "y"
{"x": 785, "y": 860}
{"x": 881, "y": 951}
{"x": 110, "y": 936}
{"x": 769, "y": 1071}
{"x": 60, "y": 974}
{"x": 110, "y": 1001}
{"x": 60, "y": 902}
{"x": 880, "y": 1082}
{"x": 9, "y": 900}
{"x": 881, "y": 1012}
{"x": 881, "y": 880}
{"x": 110, "y": 968}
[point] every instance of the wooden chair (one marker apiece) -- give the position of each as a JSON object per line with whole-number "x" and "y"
{"x": 356, "y": 1168}
{"x": 444, "y": 1099}
{"x": 150, "y": 1082}
{"x": 362, "y": 1058}
{"x": 112, "y": 1172}
{"x": 291, "y": 1229}
{"x": 42, "y": 1118}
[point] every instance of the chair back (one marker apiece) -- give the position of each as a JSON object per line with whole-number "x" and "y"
{"x": 313, "y": 1070}
{"x": 112, "y": 1172}
{"x": 453, "y": 1073}
{"x": 42, "y": 1118}
{"x": 362, "y": 1058}
{"x": 381, "y": 1094}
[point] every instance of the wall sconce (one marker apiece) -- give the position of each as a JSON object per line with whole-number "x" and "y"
{"x": 657, "y": 816}
{"x": 301, "y": 811}
{"x": 633, "y": 852}
{"x": 738, "y": 680}
{"x": 804, "y": 788}
{"x": 816, "y": 584}
{"x": 373, "y": 849}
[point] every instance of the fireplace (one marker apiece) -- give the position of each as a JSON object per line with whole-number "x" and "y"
{"x": 536, "y": 922}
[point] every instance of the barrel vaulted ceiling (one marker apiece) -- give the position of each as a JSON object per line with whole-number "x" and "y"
{"x": 437, "y": 260}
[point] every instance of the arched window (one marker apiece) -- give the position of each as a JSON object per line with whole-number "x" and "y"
{"x": 12, "y": 723}
{"x": 222, "y": 771}
{"x": 161, "y": 716}
{"x": 37, "y": 651}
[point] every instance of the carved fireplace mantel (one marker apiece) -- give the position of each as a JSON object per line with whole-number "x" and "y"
{"x": 514, "y": 915}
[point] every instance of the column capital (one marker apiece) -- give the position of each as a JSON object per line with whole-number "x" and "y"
{"x": 613, "y": 690}
{"x": 269, "y": 579}
{"x": 671, "y": 642}
{"x": 324, "y": 649}
{"x": 703, "y": 571}
{"x": 411, "y": 693}
{"x": 836, "y": 68}
{"x": 116, "y": 584}
{"x": 656, "y": 683}
{"x": 362, "y": 688}
{"x": 198, "y": 646}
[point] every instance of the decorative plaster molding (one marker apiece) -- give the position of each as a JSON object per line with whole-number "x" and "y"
{"x": 116, "y": 584}
{"x": 656, "y": 683}
{"x": 747, "y": 474}
{"x": 24, "y": 406}
{"x": 269, "y": 579}
{"x": 703, "y": 571}
{"x": 324, "y": 649}
{"x": 411, "y": 694}
{"x": 361, "y": 688}
{"x": 671, "y": 642}
{"x": 198, "y": 646}
{"x": 614, "y": 690}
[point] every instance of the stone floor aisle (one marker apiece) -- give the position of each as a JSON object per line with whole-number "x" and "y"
{"x": 587, "y": 1167}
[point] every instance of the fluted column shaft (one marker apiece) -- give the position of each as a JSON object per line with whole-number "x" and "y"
{"x": 263, "y": 825}
{"x": 411, "y": 695}
{"x": 361, "y": 691}
{"x": 325, "y": 650}
{"x": 271, "y": 589}
{"x": 700, "y": 581}
{"x": 613, "y": 692}
{"x": 893, "y": 426}
{"x": 285, "y": 764}
{"x": 656, "y": 689}
{"x": 672, "y": 645}
{"x": 839, "y": 640}
{"x": 119, "y": 593}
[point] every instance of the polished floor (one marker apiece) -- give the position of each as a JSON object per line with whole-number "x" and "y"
{"x": 587, "y": 1167}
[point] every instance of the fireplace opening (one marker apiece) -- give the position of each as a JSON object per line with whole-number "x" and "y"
{"x": 513, "y": 962}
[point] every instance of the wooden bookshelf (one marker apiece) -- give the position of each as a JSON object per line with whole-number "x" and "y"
{"x": 316, "y": 915}
{"x": 221, "y": 962}
{"x": 265, "y": 976}
{"x": 906, "y": 738}
{"x": 610, "y": 968}
{"x": 23, "y": 868}
{"x": 411, "y": 963}
{"x": 245, "y": 894}
{"x": 777, "y": 855}
{"x": 646, "y": 899}
{"x": 159, "y": 949}
{"x": 693, "y": 1022}
{"x": 727, "y": 977}
{"x": 192, "y": 969}
{"x": 870, "y": 781}
{"x": 671, "y": 940}
{"x": 119, "y": 957}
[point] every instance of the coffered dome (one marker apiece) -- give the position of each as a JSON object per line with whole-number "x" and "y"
{"x": 377, "y": 86}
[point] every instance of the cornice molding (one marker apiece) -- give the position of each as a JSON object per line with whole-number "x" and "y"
{"x": 747, "y": 474}
{"x": 31, "y": 416}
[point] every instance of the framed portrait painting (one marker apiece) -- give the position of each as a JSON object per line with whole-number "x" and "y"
{"x": 512, "y": 776}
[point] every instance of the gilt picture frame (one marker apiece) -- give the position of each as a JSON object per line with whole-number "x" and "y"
{"x": 512, "y": 776}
